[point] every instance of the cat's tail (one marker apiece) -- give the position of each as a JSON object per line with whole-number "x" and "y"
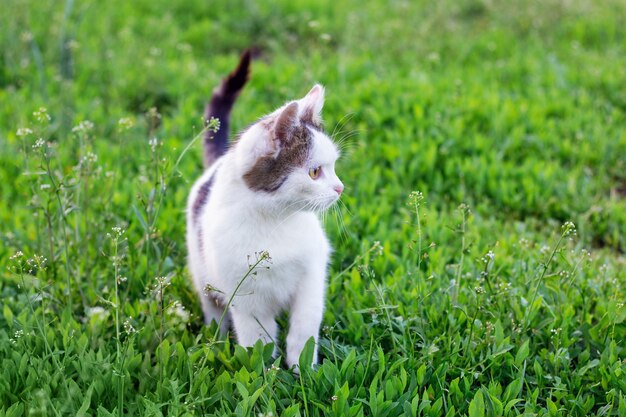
{"x": 224, "y": 96}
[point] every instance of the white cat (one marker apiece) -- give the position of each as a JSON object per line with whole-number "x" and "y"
{"x": 262, "y": 194}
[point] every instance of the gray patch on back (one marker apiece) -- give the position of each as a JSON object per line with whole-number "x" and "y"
{"x": 201, "y": 198}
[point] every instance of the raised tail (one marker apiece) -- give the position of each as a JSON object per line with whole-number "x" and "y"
{"x": 224, "y": 96}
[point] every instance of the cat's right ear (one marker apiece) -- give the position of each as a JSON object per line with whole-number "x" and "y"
{"x": 285, "y": 123}
{"x": 312, "y": 105}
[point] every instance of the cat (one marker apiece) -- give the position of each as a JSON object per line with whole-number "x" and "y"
{"x": 262, "y": 194}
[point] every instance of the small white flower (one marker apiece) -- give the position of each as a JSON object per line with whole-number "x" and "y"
{"x": 568, "y": 229}
{"x": 208, "y": 290}
{"x": 213, "y": 124}
{"x": 19, "y": 254}
{"x": 377, "y": 248}
{"x": 125, "y": 123}
{"x": 464, "y": 208}
{"x": 153, "y": 142}
{"x": 42, "y": 115}
{"x": 415, "y": 198}
{"x": 489, "y": 256}
{"x": 23, "y": 131}
{"x": 128, "y": 327}
{"x": 95, "y": 311}
{"x": 158, "y": 289}
{"x": 89, "y": 157}
{"x": 83, "y": 126}
{"x": 489, "y": 326}
{"x": 179, "y": 311}
{"x": 39, "y": 144}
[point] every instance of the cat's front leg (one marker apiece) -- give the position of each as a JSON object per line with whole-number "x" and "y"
{"x": 252, "y": 326}
{"x": 306, "y": 314}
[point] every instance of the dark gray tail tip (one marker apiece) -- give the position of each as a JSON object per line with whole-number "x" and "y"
{"x": 240, "y": 75}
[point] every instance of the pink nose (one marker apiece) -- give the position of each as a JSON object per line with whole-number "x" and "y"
{"x": 339, "y": 189}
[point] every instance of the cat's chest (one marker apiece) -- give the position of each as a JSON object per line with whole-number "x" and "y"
{"x": 292, "y": 244}
{"x": 297, "y": 250}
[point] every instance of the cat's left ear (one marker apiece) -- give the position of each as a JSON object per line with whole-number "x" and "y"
{"x": 312, "y": 105}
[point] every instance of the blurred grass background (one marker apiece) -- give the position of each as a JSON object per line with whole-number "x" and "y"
{"x": 515, "y": 109}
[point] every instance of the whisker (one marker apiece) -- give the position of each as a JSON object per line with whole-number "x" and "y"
{"x": 340, "y": 124}
{"x": 346, "y": 144}
{"x": 343, "y": 229}
{"x": 345, "y": 207}
{"x": 304, "y": 200}
{"x": 310, "y": 204}
{"x": 344, "y": 139}
{"x": 348, "y": 134}
{"x": 292, "y": 204}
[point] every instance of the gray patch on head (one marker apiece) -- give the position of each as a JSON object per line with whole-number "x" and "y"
{"x": 293, "y": 137}
{"x": 269, "y": 173}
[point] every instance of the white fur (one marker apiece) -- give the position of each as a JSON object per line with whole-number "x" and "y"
{"x": 238, "y": 222}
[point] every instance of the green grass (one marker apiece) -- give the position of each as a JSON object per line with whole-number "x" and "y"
{"x": 480, "y": 299}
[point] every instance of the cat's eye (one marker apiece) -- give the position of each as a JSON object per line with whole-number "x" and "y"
{"x": 315, "y": 172}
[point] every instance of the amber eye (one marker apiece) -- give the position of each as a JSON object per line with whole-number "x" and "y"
{"x": 315, "y": 172}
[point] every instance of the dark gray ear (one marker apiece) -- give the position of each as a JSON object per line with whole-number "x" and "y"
{"x": 285, "y": 124}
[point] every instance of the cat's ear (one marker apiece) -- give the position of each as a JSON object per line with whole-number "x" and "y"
{"x": 285, "y": 123}
{"x": 312, "y": 105}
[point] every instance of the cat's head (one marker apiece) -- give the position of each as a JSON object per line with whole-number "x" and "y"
{"x": 288, "y": 160}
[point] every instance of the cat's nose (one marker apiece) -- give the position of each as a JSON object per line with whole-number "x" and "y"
{"x": 339, "y": 189}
